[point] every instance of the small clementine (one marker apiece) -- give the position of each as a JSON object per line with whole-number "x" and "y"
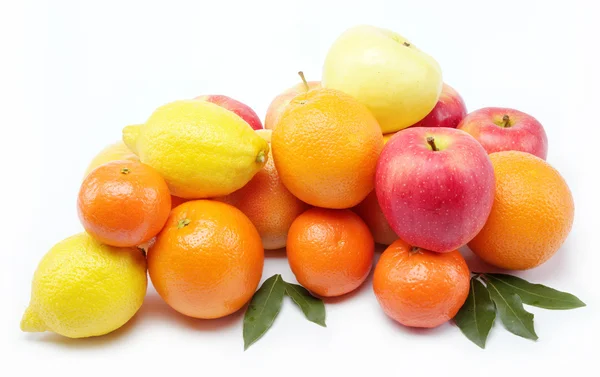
{"x": 420, "y": 288}
{"x": 123, "y": 203}
{"x": 330, "y": 251}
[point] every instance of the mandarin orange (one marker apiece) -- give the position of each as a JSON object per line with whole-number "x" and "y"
{"x": 123, "y": 203}
{"x": 208, "y": 259}
{"x": 330, "y": 251}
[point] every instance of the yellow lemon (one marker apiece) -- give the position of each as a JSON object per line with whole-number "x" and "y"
{"x": 113, "y": 152}
{"x": 83, "y": 288}
{"x": 201, "y": 149}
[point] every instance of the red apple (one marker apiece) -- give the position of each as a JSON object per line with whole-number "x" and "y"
{"x": 435, "y": 186}
{"x": 501, "y": 129}
{"x": 280, "y": 102}
{"x": 449, "y": 110}
{"x": 242, "y": 110}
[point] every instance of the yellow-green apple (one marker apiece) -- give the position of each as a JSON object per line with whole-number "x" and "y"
{"x": 279, "y": 103}
{"x": 435, "y": 187}
{"x": 399, "y": 83}
{"x": 502, "y": 129}
{"x": 449, "y": 110}
{"x": 242, "y": 110}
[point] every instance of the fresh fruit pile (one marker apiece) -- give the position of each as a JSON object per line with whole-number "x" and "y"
{"x": 380, "y": 150}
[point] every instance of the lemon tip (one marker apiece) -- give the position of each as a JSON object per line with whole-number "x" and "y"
{"x": 31, "y": 322}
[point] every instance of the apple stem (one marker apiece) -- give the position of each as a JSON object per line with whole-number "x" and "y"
{"x": 301, "y": 74}
{"x": 431, "y": 142}
{"x": 506, "y": 120}
{"x": 406, "y": 44}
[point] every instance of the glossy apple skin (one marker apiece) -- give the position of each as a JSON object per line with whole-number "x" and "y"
{"x": 449, "y": 110}
{"x": 436, "y": 200}
{"x": 280, "y": 102}
{"x": 242, "y": 110}
{"x": 524, "y": 134}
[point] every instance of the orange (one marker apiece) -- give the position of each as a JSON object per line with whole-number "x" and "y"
{"x": 268, "y": 204}
{"x": 330, "y": 251}
{"x": 325, "y": 147}
{"x": 208, "y": 259}
{"x": 123, "y": 203}
{"x": 532, "y": 213}
{"x": 371, "y": 213}
{"x": 420, "y": 288}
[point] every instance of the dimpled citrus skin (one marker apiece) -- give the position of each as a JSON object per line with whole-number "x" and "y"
{"x": 330, "y": 251}
{"x": 420, "y": 288}
{"x": 268, "y": 204}
{"x": 325, "y": 147}
{"x": 201, "y": 149}
{"x": 371, "y": 213}
{"x": 123, "y": 203}
{"x": 83, "y": 288}
{"x": 113, "y": 152}
{"x": 208, "y": 259}
{"x": 532, "y": 213}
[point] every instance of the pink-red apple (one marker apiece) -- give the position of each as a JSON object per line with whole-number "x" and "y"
{"x": 435, "y": 186}
{"x": 242, "y": 110}
{"x": 280, "y": 102}
{"x": 449, "y": 110}
{"x": 501, "y": 129}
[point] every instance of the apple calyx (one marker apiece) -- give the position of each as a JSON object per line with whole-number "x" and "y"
{"x": 301, "y": 74}
{"x": 125, "y": 171}
{"x": 431, "y": 142}
{"x": 406, "y": 44}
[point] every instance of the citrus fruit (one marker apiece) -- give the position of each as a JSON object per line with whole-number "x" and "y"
{"x": 330, "y": 251}
{"x": 113, "y": 152}
{"x": 84, "y": 288}
{"x": 531, "y": 216}
{"x": 268, "y": 204}
{"x": 371, "y": 213}
{"x": 202, "y": 150}
{"x": 420, "y": 288}
{"x": 325, "y": 147}
{"x": 123, "y": 203}
{"x": 208, "y": 259}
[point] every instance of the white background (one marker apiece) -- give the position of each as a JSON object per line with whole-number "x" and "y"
{"x": 73, "y": 73}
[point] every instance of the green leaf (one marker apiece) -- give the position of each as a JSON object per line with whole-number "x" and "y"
{"x": 510, "y": 309}
{"x": 536, "y": 294}
{"x": 312, "y": 307}
{"x": 263, "y": 309}
{"x": 477, "y": 315}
